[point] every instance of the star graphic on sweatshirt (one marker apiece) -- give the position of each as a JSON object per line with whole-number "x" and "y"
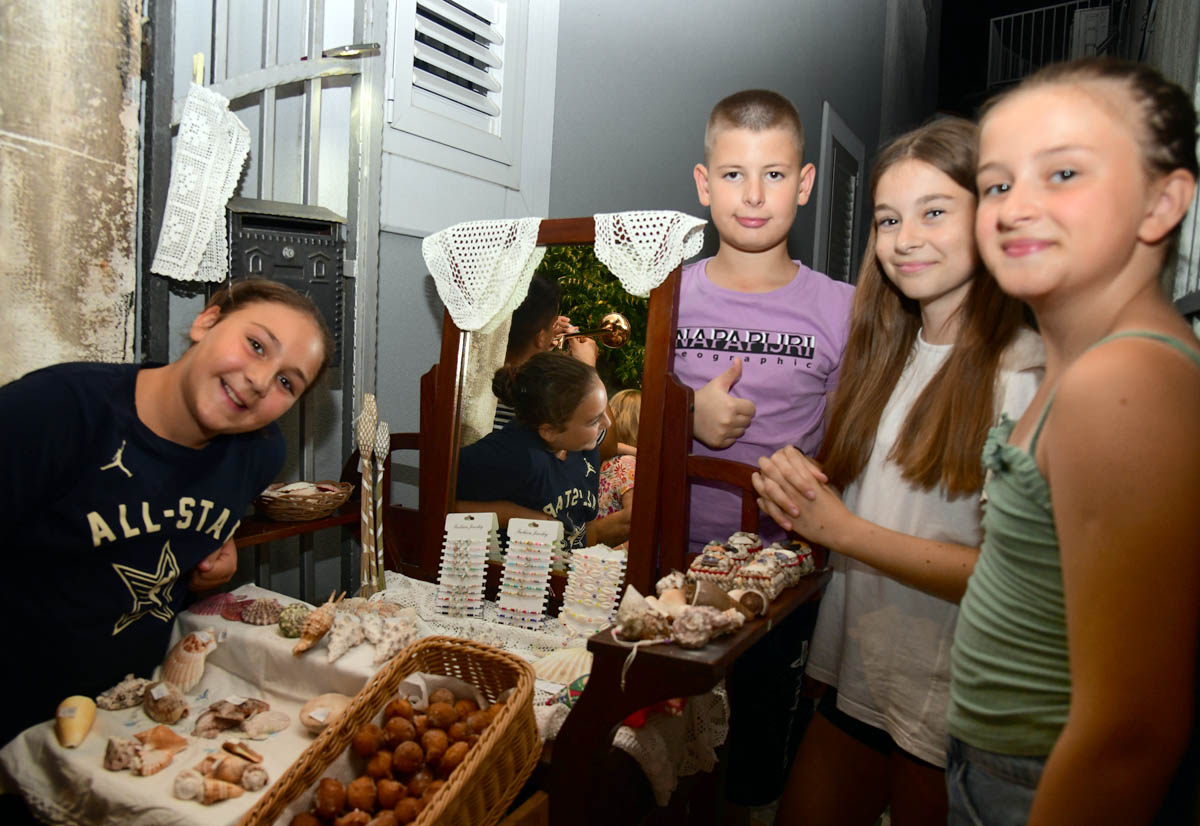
{"x": 151, "y": 590}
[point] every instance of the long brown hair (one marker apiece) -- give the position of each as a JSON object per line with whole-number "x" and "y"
{"x": 942, "y": 437}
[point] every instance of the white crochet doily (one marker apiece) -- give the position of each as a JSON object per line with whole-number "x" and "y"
{"x": 641, "y": 248}
{"x": 209, "y": 154}
{"x": 482, "y": 268}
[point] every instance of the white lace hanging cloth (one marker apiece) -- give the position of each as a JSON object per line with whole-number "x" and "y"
{"x": 641, "y": 248}
{"x": 210, "y": 151}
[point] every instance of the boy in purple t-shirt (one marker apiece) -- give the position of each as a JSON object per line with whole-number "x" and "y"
{"x": 760, "y": 336}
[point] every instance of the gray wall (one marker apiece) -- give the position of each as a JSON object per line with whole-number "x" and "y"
{"x": 637, "y": 80}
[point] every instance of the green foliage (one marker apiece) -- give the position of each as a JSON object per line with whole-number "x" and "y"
{"x": 589, "y": 292}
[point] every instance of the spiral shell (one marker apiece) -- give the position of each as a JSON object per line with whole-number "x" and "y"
{"x": 254, "y": 778}
{"x": 263, "y": 611}
{"x": 347, "y": 632}
{"x": 397, "y": 634}
{"x": 215, "y": 791}
{"x": 316, "y": 624}
{"x": 184, "y": 665}
{"x": 161, "y": 737}
{"x": 291, "y": 619}
{"x": 163, "y": 702}
{"x": 188, "y": 785}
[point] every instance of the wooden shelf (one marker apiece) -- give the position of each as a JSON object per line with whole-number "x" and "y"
{"x": 255, "y": 530}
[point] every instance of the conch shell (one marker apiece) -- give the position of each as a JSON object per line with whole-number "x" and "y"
{"x": 254, "y": 777}
{"x": 151, "y": 761}
{"x": 184, "y": 665}
{"x": 161, "y": 737}
{"x": 120, "y": 753}
{"x": 73, "y": 720}
{"x": 396, "y": 636}
{"x": 189, "y": 785}
{"x": 346, "y": 634}
{"x": 638, "y": 620}
{"x": 216, "y": 790}
{"x": 315, "y": 625}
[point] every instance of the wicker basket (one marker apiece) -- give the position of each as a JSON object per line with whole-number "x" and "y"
{"x": 285, "y": 507}
{"x": 484, "y": 784}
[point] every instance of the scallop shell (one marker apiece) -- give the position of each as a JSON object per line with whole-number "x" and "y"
{"x": 163, "y": 702}
{"x": 211, "y": 606}
{"x": 217, "y": 790}
{"x": 188, "y": 785}
{"x": 268, "y": 722}
{"x": 347, "y": 632}
{"x": 316, "y": 624}
{"x": 125, "y": 694}
{"x": 564, "y": 666}
{"x": 263, "y": 611}
{"x": 120, "y": 753}
{"x": 233, "y": 608}
{"x": 184, "y": 665}
{"x": 161, "y": 737}
{"x": 322, "y": 710}
{"x": 254, "y": 778}
{"x": 151, "y": 761}
{"x": 397, "y": 635}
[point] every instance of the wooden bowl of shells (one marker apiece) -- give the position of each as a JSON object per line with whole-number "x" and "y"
{"x": 303, "y": 501}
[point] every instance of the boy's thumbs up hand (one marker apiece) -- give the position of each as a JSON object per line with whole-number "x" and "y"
{"x": 720, "y": 418}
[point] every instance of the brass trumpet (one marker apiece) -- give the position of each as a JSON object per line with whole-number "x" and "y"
{"x": 614, "y": 331}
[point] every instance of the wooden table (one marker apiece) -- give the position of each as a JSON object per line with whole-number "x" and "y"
{"x": 658, "y": 672}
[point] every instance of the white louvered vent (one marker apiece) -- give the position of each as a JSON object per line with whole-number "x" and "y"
{"x": 458, "y": 75}
{"x": 457, "y": 54}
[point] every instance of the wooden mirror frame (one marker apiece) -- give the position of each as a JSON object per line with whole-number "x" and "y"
{"x": 439, "y": 449}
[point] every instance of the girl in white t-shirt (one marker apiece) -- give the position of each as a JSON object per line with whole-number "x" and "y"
{"x": 936, "y": 353}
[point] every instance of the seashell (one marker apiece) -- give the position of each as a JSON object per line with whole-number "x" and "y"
{"x": 638, "y": 620}
{"x": 255, "y": 777}
{"x": 224, "y": 715}
{"x": 151, "y": 761}
{"x": 700, "y": 623}
{"x": 263, "y": 611}
{"x": 764, "y": 574}
{"x": 188, "y": 785}
{"x": 672, "y": 601}
{"x": 746, "y": 542}
{"x": 564, "y": 666}
{"x": 391, "y": 609}
{"x": 237, "y": 747}
{"x": 322, "y": 710}
{"x": 164, "y": 703}
{"x": 398, "y": 634}
{"x": 73, "y": 720}
{"x": 209, "y": 725}
{"x": 211, "y": 606}
{"x": 347, "y": 632}
{"x": 351, "y": 604}
{"x": 216, "y": 790}
{"x": 291, "y": 619}
{"x": 751, "y": 603}
{"x": 125, "y": 694}
{"x": 161, "y": 737}
{"x": 208, "y": 766}
{"x": 268, "y": 722}
{"x": 316, "y": 624}
{"x": 671, "y": 580}
{"x": 297, "y": 489}
{"x": 230, "y": 768}
{"x": 373, "y": 627}
{"x": 805, "y": 562}
{"x": 233, "y": 608}
{"x": 184, "y": 665}
{"x": 120, "y": 753}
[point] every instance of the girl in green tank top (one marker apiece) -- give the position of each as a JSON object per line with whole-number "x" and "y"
{"x": 1077, "y": 638}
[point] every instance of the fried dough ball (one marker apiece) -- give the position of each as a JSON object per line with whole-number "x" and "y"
{"x": 398, "y": 707}
{"x": 355, "y": 817}
{"x": 442, "y": 715}
{"x": 453, "y": 757}
{"x": 458, "y": 731}
{"x": 389, "y": 792}
{"x": 419, "y": 782}
{"x": 441, "y": 695}
{"x": 360, "y": 794}
{"x": 465, "y": 707}
{"x": 434, "y": 788}
{"x": 367, "y": 740}
{"x": 421, "y": 724}
{"x": 330, "y": 798}
{"x": 305, "y": 819}
{"x": 397, "y": 730}
{"x": 435, "y": 742}
{"x": 406, "y": 810}
{"x": 385, "y": 818}
{"x": 408, "y": 758}
{"x": 380, "y": 764}
{"x": 478, "y": 722}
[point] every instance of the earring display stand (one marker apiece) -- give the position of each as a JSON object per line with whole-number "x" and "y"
{"x": 469, "y": 539}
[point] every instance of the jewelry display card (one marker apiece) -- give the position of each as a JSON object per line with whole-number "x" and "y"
{"x": 593, "y": 588}
{"x": 525, "y": 579}
{"x": 470, "y": 537}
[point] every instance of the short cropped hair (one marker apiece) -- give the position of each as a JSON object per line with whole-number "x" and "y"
{"x": 756, "y": 110}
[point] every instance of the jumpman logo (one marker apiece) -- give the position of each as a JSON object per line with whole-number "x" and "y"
{"x": 590, "y": 470}
{"x": 117, "y": 462}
